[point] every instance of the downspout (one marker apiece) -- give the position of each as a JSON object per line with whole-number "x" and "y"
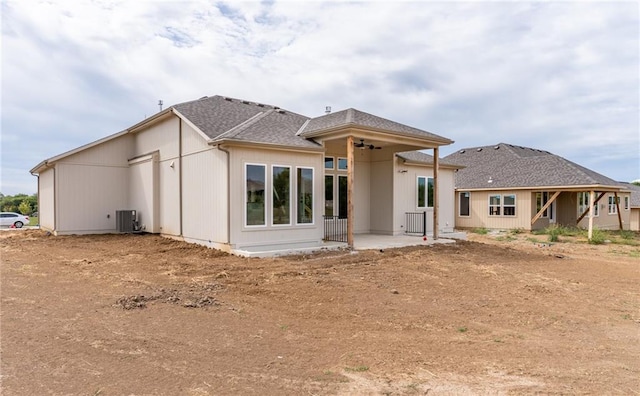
{"x": 180, "y": 171}
{"x": 228, "y": 193}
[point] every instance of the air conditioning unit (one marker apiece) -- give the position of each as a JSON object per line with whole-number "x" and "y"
{"x": 126, "y": 220}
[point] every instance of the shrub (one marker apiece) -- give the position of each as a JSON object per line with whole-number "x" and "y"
{"x": 597, "y": 237}
{"x": 554, "y": 232}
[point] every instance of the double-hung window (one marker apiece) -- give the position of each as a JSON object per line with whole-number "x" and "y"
{"x": 425, "y": 192}
{"x": 626, "y": 203}
{"x": 509, "y": 205}
{"x": 613, "y": 208}
{"x": 583, "y": 204}
{"x": 494, "y": 205}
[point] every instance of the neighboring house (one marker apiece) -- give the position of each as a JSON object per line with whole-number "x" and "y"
{"x": 506, "y": 186}
{"x": 248, "y": 177}
{"x": 633, "y": 205}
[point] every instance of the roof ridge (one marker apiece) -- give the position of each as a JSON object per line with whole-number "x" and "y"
{"x": 245, "y": 124}
{"x": 349, "y": 119}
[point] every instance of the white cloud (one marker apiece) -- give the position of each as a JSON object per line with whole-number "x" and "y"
{"x": 559, "y": 76}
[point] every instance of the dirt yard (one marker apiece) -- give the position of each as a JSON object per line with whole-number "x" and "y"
{"x": 144, "y": 315}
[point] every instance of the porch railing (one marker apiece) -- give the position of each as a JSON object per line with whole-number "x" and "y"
{"x": 335, "y": 228}
{"x": 415, "y": 223}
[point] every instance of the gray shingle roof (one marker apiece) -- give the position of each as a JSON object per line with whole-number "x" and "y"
{"x": 635, "y": 194}
{"x": 509, "y": 166}
{"x": 357, "y": 118}
{"x": 221, "y": 117}
{"x": 419, "y": 156}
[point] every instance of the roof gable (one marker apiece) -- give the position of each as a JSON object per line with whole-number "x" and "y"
{"x": 509, "y": 166}
{"x": 356, "y": 118}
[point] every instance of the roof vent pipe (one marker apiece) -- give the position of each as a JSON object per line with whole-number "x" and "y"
{"x": 327, "y": 110}
{"x": 160, "y": 104}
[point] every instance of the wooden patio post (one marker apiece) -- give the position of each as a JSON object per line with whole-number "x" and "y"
{"x": 350, "y": 213}
{"x": 615, "y": 194}
{"x": 436, "y": 162}
{"x": 592, "y": 195}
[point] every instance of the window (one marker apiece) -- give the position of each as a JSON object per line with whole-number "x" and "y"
{"x": 626, "y": 203}
{"x": 613, "y": 209}
{"x": 464, "y": 203}
{"x": 342, "y": 164}
{"x": 281, "y": 195}
{"x": 255, "y": 177}
{"x": 425, "y": 192}
{"x": 509, "y": 205}
{"x": 583, "y": 204}
{"x": 541, "y": 199}
{"x": 342, "y": 197}
{"x": 328, "y": 195}
{"x": 305, "y": 195}
{"x": 494, "y": 205}
{"x": 328, "y": 163}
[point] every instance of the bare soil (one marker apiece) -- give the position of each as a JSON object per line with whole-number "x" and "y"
{"x": 145, "y": 315}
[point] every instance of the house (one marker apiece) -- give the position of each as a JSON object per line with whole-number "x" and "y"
{"x": 504, "y": 186}
{"x": 248, "y": 177}
{"x": 633, "y": 205}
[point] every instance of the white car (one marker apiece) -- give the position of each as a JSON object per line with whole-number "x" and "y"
{"x": 9, "y": 219}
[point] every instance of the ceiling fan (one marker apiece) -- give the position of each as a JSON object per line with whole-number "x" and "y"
{"x": 362, "y": 145}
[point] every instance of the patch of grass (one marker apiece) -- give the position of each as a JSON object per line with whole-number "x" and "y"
{"x": 284, "y": 327}
{"x": 627, "y": 235}
{"x": 554, "y": 233}
{"x": 506, "y": 238}
{"x": 481, "y": 231}
{"x": 357, "y": 369}
{"x": 626, "y": 317}
{"x": 532, "y": 239}
{"x": 597, "y": 237}
{"x": 33, "y": 221}
{"x": 516, "y": 231}
{"x": 462, "y": 329}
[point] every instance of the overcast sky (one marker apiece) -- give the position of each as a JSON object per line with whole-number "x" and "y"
{"x": 562, "y": 76}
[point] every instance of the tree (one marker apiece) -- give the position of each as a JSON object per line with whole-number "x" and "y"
{"x": 25, "y": 207}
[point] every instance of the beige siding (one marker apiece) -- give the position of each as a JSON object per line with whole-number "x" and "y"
{"x": 46, "y": 200}
{"x": 273, "y": 236}
{"x": 406, "y": 196}
{"x": 604, "y": 220}
{"x": 163, "y": 139}
{"x": 91, "y": 185}
{"x": 88, "y": 197}
{"x": 382, "y": 197}
{"x": 362, "y": 175}
{"x": 479, "y": 211}
{"x": 204, "y": 190}
{"x": 143, "y": 192}
{"x": 634, "y": 219}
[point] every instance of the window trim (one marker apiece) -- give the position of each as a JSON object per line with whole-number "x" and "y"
{"x": 266, "y": 198}
{"x": 346, "y": 167}
{"x": 333, "y": 194}
{"x": 468, "y": 203}
{"x": 333, "y": 162}
{"x": 613, "y": 208}
{"x": 426, "y": 192}
{"x": 313, "y": 175}
{"x": 271, "y": 195}
{"x": 626, "y": 203}
{"x": 499, "y": 205}
{"x": 514, "y": 206}
{"x": 596, "y": 206}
